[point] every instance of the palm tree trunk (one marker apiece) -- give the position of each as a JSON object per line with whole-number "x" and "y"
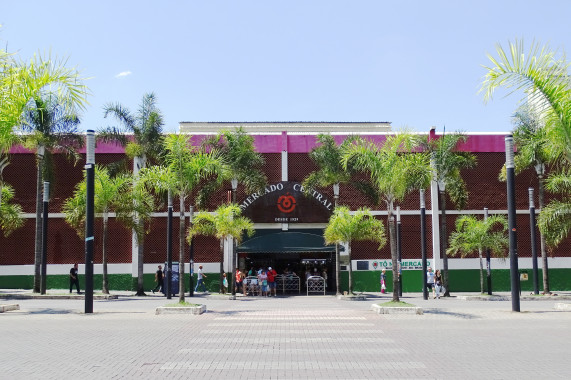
{"x": 140, "y": 264}
{"x": 350, "y": 268}
{"x": 481, "y": 272}
{"x": 393, "y": 243}
{"x": 544, "y": 266}
{"x": 38, "y": 242}
{"x": 221, "y": 263}
{"x": 181, "y": 287}
{"x": 105, "y": 284}
{"x": 444, "y": 242}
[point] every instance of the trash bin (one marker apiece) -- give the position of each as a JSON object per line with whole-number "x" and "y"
{"x": 174, "y": 278}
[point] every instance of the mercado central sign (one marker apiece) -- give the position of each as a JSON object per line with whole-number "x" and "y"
{"x": 286, "y": 202}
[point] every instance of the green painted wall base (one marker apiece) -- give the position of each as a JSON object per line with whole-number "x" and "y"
{"x": 363, "y": 281}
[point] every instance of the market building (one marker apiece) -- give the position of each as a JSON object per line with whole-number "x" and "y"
{"x": 289, "y": 225}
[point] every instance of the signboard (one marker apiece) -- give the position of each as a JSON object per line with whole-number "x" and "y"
{"x": 286, "y": 202}
{"x": 405, "y": 264}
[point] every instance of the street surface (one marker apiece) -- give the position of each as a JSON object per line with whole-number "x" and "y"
{"x": 297, "y": 337}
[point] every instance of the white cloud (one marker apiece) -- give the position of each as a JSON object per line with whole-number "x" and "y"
{"x": 123, "y": 74}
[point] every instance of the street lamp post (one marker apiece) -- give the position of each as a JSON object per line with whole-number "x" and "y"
{"x": 399, "y": 251}
{"x": 533, "y": 242}
{"x": 169, "y": 246}
{"x": 510, "y": 176}
{"x": 337, "y": 257}
{"x": 488, "y": 261}
{"x": 191, "y": 280}
{"x": 423, "y": 243}
{"x": 45, "y": 238}
{"x": 234, "y": 183}
{"x": 89, "y": 219}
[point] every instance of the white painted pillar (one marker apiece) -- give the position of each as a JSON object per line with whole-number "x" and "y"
{"x": 435, "y": 217}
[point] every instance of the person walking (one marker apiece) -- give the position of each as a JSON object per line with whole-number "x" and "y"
{"x": 200, "y": 282}
{"x": 74, "y": 279}
{"x": 224, "y": 283}
{"x": 239, "y": 280}
{"x": 430, "y": 280}
{"x": 384, "y": 281}
{"x": 159, "y": 280}
{"x": 438, "y": 283}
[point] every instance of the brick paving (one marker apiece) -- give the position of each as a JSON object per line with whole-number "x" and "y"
{"x": 315, "y": 337}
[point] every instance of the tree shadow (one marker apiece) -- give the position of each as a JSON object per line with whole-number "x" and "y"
{"x": 451, "y": 314}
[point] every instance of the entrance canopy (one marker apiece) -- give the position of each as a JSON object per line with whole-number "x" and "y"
{"x": 286, "y": 242}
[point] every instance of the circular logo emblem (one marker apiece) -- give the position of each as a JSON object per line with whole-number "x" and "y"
{"x": 286, "y": 203}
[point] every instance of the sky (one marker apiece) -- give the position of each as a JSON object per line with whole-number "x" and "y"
{"x": 415, "y": 64}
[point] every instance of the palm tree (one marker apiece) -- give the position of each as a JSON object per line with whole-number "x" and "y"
{"x": 51, "y": 128}
{"x": 237, "y": 152}
{"x": 544, "y": 77}
{"x": 224, "y": 223}
{"x": 394, "y": 172}
{"x": 21, "y": 82}
{"x": 532, "y": 151}
{"x": 346, "y": 228}
{"x": 447, "y": 163}
{"x": 10, "y": 218}
{"x": 183, "y": 170}
{"x": 331, "y": 172}
{"x": 473, "y": 235}
{"x": 112, "y": 194}
{"x": 147, "y": 143}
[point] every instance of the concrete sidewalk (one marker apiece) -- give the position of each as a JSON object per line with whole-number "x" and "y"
{"x": 296, "y": 337}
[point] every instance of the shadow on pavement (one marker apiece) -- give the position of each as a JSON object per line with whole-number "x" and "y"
{"x": 452, "y": 314}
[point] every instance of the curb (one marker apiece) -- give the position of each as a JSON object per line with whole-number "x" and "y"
{"x": 58, "y": 297}
{"x": 4, "y": 308}
{"x": 194, "y": 310}
{"x": 357, "y": 297}
{"x": 562, "y": 306}
{"x": 397, "y": 310}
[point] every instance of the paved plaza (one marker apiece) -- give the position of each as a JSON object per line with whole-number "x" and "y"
{"x": 297, "y": 337}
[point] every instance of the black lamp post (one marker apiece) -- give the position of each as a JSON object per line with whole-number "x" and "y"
{"x": 169, "y": 247}
{"x": 191, "y": 280}
{"x": 510, "y": 176}
{"x": 45, "y": 238}
{"x": 533, "y": 242}
{"x": 488, "y": 261}
{"x": 399, "y": 251}
{"x": 89, "y": 219}
{"x": 423, "y": 243}
{"x": 337, "y": 257}
{"x": 234, "y": 256}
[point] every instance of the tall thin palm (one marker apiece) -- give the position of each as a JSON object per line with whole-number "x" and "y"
{"x": 51, "y": 128}
{"x": 112, "y": 194}
{"x": 533, "y": 150}
{"x": 183, "y": 170}
{"x": 327, "y": 155}
{"x": 544, "y": 77}
{"x": 146, "y": 125}
{"x": 244, "y": 166}
{"x": 394, "y": 172}
{"x": 20, "y": 82}
{"x": 224, "y": 223}
{"x": 447, "y": 162}
{"x": 473, "y": 235}
{"x": 344, "y": 227}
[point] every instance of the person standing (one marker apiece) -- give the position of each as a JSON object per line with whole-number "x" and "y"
{"x": 74, "y": 279}
{"x": 200, "y": 282}
{"x": 430, "y": 280}
{"x": 239, "y": 280}
{"x": 272, "y": 281}
{"x": 437, "y": 282}
{"x": 159, "y": 280}
{"x": 384, "y": 281}
{"x": 263, "y": 280}
{"x": 224, "y": 283}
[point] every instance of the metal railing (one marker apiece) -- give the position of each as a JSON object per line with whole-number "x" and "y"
{"x": 315, "y": 284}
{"x": 288, "y": 283}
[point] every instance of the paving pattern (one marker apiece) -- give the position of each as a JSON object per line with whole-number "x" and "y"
{"x": 301, "y": 337}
